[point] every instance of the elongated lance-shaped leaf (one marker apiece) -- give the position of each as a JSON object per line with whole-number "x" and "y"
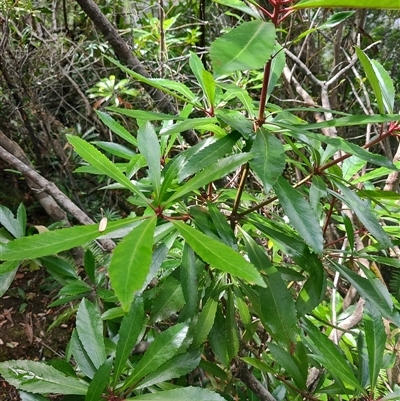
{"x": 205, "y": 322}
{"x": 99, "y": 382}
{"x": 381, "y": 5}
{"x": 144, "y": 115}
{"x": 168, "y": 344}
{"x": 80, "y": 355}
{"x": 222, "y": 226}
{"x": 131, "y": 261}
{"x": 12, "y": 225}
{"x": 276, "y": 302}
{"x": 241, "y": 6}
{"x": 150, "y": 148}
{"x": 372, "y": 78}
{"x": 363, "y": 211}
{"x": 329, "y": 356}
{"x": 180, "y": 394}
{"x": 300, "y": 214}
{"x": 191, "y": 123}
{"x": 386, "y": 84}
{"x": 116, "y": 127}
{"x": 219, "y": 255}
{"x": 283, "y": 358}
{"x": 7, "y": 277}
{"x": 37, "y": 377}
{"x": 204, "y": 78}
{"x": 189, "y": 280}
{"x": 131, "y": 326}
{"x": 218, "y": 338}
{"x": 231, "y": 326}
{"x": 269, "y": 158}
{"x": 208, "y": 155}
{"x": 247, "y": 47}
{"x": 177, "y": 366}
{"x": 96, "y": 159}
{"x": 214, "y": 172}
{"x": 375, "y": 338}
{"x": 89, "y": 327}
{"x": 371, "y": 289}
{"x": 51, "y": 242}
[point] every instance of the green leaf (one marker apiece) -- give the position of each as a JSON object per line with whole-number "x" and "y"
{"x": 375, "y": 337}
{"x": 247, "y": 47}
{"x": 386, "y": 84}
{"x": 176, "y": 367}
{"x": 115, "y": 127}
{"x": 383, "y": 4}
{"x": 313, "y": 291}
{"x": 191, "y": 123}
{"x": 277, "y": 66}
{"x": 219, "y": 255}
{"x": 51, "y": 242}
{"x": 168, "y": 300}
{"x": 236, "y": 120}
{"x": 300, "y": 214}
{"x": 283, "y": 358}
{"x": 37, "y": 377}
{"x": 144, "y": 115}
{"x": 180, "y": 394}
{"x": 59, "y": 268}
{"x": 372, "y": 78}
{"x": 207, "y": 155}
{"x": 168, "y": 344}
{"x": 115, "y": 149}
{"x": 31, "y": 397}
{"x": 222, "y": 226}
{"x": 131, "y": 261}
{"x": 278, "y": 313}
{"x": 99, "y": 382}
{"x": 218, "y": 338}
{"x": 214, "y": 172}
{"x": 12, "y": 225}
{"x": 205, "y": 322}
{"x": 269, "y": 158}
{"x": 80, "y": 356}
{"x": 239, "y": 5}
{"x": 231, "y": 327}
{"x": 204, "y": 78}
{"x": 363, "y": 211}
{"x": 89, "y": 263}
{"x": 89, "y": 327}
{"x": 21, "y": 220}
{"x": 189, "y": 281}
{"x": 150, "y": 148}
{"x": 131, "y": 326}
{"x": 6, "y": 278}
{"x": 371, "y": 289}
{"x": 326, "y": 353}
{"x": 95, "y": 158}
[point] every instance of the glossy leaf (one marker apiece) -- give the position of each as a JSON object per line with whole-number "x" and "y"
{"x": 144, "y": 115}
{"x": 269, "y": 158}
{"x": 204, "y": 78}
{"x": 130, "y": 328}
{"x": 189, "y": 281}
{"x": 383, "y": 4}
{"x": 231, "y": 326}
{"x": 163, "y": 348}
{"x": 150, "y": 148}
{"x": 372, "y": 78}
{"x": 205, "y": 322}
{"x": 81, "y": 357}
{"x": 99, "y": 382}
{"x": 177, "y": 366}
{"x": 207, "y": 155}
{"x": 363, "y": 211}
{"x": 169, "y": 300}
{"x": 283, "y": 358}
{"x": 386, "y": 85}
{"x": 222, "y": 226}
{"x": 89, "y": 327}
{"x": 375, "y": 338}
{"x": 329, "y": 356}
{"x": 218, "y": 338}
{"x": 239, "y": 5}
{"x": 236, "y": 120}
{"x": 214, "y": 172}
{"x": 180, "y": 394}
{"x": 300, "y": 214}
{"x": 247, "y": 47}
{"x": 116, "y": 127}
{"x": 277, "y": 66}
{"x": 219, "y": 255}
{"x": 115, "y": 149}
{"x": 371, "y": 289}
{"x": 96, "y": 159}
{"x": 191, "y": 123}
{"x": 37, "y": 377}
{"x": 131, "y": 261}
{"x": 11, "y": 223}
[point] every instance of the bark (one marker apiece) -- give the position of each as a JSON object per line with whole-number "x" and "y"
{"x": 125, "y": 54}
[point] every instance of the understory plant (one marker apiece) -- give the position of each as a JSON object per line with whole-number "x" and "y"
{"x": 233, "y": 280}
